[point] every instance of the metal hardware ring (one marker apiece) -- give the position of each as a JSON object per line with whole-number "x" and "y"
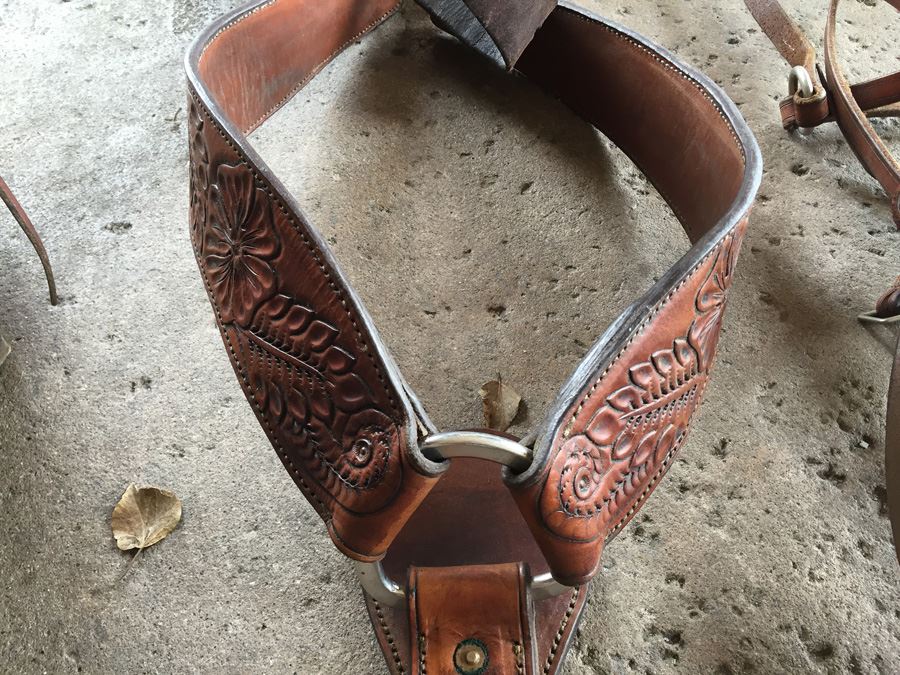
{"x": 799, "y": 80}
{"x": 479, "y": 445}
{"x": 385, "y": 591}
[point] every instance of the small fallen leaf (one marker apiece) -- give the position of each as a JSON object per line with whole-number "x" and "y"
{"x": 144, "y": 516}
{"x": 500, "y": 403}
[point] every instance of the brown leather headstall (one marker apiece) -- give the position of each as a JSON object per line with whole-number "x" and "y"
{"x": 450, "y": 590}
{"x": 815, "y": 98}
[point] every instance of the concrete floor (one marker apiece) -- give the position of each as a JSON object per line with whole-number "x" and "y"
{"x": 766, "y": 550}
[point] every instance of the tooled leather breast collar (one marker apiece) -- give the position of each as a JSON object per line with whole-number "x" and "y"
{"x": 331, "y": 399}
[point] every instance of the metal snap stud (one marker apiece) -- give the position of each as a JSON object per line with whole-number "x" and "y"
{"x": 470, "y": 657}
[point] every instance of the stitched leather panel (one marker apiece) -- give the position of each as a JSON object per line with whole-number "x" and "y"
{"x": 622, "y": 432}
{"x": 627, "y": 409}
{"x": 477, "y": 611}
{"x": 300, "y": 347}
{"x": 331, "y": 401}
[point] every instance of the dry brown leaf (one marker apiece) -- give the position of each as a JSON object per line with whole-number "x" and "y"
{"x": 144, "y": 516}
{"x": 500, "y": 403}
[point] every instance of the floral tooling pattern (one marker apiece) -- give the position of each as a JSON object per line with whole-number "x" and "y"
{"x": 602, "y": 471}
{"x": 239, "y": 244}
{"x": 302, "y": 377}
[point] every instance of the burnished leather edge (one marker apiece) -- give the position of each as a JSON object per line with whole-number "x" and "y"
{"x": 403, "y": 393}
{"x": 629, "y": 322}
{"x": 592, "y": 470}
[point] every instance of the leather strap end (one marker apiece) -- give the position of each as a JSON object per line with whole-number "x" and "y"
{"x": 366, "y": 537}
{"x": 499, "y": 29}
{"x": 15, "y": 208}
{"x": 472, "y": 619}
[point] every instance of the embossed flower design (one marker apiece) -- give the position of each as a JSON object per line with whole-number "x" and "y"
{"x": 573, "y": 498}
{"x": 369, "y": 442}
{"x": 239, "y": 245}
{"x": 710, "y": 303}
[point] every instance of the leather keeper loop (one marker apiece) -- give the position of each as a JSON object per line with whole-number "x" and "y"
{"x": 471, "y": 620}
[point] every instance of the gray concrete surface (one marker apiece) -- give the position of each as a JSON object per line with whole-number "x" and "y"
{"x": 766, "y": 550}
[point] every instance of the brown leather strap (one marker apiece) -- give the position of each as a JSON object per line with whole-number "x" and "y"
{"x": 15, "y": 208}
{"x": 833, "y": 98}
{"x": 304, "y": 348}
{"x": 621, "y": 420}
{"x": 876, "y": 98}
{"x": 892, "y": 449}
{"x": 850, "y": 106}
{"x": 787, "y": 37}
{"x": 471, "y": 620}
{"x": 861, "y": 137}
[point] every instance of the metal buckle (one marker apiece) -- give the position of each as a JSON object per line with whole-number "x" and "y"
{"x": 800, "y": 80}
{"x": 438, "y": 447}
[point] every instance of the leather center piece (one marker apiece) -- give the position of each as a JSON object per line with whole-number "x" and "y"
{"x": 471, "y": 619}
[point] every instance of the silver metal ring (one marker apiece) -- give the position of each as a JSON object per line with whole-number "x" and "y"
{"x": 382, "y": 589}
{"x": 438, "y": 447}
{"x": 480, "y": 445}
{"x": 800, "y": 81}
{"x": 544, "y": 586}
{"x": 379, "y": 586}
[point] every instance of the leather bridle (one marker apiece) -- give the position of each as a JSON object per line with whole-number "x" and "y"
{"x": 405, "y": 502}
{"x": 820, "y": 96}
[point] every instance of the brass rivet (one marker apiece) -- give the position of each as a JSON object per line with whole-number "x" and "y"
{"x": 470, "y": 657}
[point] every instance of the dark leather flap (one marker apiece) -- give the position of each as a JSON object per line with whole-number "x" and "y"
{"x": 499, "y": 29}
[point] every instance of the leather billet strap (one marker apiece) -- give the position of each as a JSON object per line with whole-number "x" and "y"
{"x": 21, "y": 217}
{"x": 449, "y": 605}
{"x": 327, "y": 391}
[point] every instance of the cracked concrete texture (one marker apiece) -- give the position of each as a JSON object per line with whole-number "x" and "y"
{"x": 487, "y": 230}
